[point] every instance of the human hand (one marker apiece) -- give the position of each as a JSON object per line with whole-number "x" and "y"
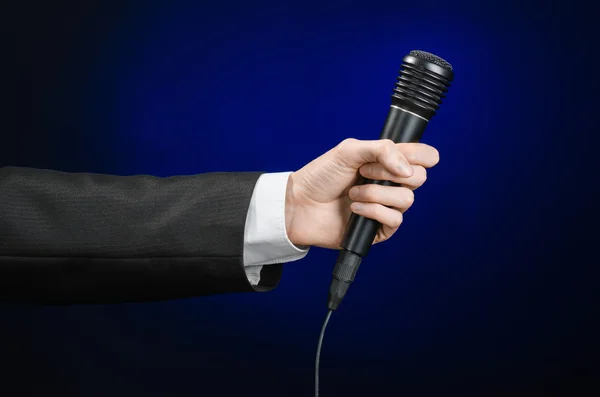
{"x": 322, "y": 195}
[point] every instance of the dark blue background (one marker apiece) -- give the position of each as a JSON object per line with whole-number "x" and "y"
{"x": 485, "y": 290}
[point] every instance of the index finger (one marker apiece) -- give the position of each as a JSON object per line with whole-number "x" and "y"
{"x": 356, "y": 153}
{"x": 419, "y": 154}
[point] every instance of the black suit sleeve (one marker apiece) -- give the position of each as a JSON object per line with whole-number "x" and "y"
{"x": 91, "y": 238}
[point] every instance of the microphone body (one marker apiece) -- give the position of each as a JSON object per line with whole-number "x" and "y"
{"x": 418, "y": 93}
{"x": 400, "y": 127}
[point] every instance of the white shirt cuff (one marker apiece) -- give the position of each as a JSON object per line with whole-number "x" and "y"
{"x": 265, "y": 238}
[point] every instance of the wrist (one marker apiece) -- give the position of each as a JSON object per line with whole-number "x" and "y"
{"x": 290, "y": 212}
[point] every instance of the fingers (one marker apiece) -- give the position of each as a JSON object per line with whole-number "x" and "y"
{"x": 399, "y": 198}
{"x": 387, "y": 159}
{"x": 385, "y": 204}
{"x": 419, "y": 154}
{"x": 389, "y": 218}
{"x": 376, "y": 172}
{"x": 355, "y": 153}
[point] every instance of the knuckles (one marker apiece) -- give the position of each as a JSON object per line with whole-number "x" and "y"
{"x": 371, "y": 193}
{"x": 366, "y": 193}
{"x": 408, "y": 197}
{"x": 395, "y": 221}
{"x": 388, "y": 146}
{"x": 347, "y": 144}
{"x": 435, "y": 156}
{"x": 420, "y": 175}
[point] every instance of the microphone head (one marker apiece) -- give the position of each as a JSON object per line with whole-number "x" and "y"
{"x": 428, "y": 57}
{"x": 423, "y": 80}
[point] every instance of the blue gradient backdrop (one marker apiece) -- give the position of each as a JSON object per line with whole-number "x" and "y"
{"x": 482, "y": 292}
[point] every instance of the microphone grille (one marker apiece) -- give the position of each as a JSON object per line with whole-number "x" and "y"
{"x": 426, "y": 56}
{"x": 422, "y": 83}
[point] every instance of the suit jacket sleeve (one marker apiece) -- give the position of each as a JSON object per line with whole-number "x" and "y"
{"x": 91, "y": 238}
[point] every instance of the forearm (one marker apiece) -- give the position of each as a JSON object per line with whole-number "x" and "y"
{"x": 54, "y": 214}
{"x": 86, "y": 238}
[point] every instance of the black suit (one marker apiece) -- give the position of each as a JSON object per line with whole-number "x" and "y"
{"x": 90, "y": 238}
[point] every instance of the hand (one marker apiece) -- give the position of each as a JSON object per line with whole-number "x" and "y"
{"x": 321, "y": 196}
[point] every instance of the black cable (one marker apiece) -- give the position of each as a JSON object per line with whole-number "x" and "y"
{"x": 319, "y": 352}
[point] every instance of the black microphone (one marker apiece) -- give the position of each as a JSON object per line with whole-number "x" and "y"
{"x": 423, "y": 80}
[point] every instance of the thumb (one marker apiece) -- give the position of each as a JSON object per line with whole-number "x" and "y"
{"x": 355, "y": 153}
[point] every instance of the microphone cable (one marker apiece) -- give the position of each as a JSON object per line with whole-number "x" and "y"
{"x": 319, "y": 345}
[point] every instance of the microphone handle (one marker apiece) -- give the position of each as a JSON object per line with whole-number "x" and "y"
{"x": 401, "y": 126}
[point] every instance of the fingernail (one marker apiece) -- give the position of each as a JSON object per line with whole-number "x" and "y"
{"x": 357, "y": 206}
{"x": 353, "y": 193}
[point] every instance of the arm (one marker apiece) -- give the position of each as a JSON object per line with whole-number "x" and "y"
{"x": 97, "y": 238}
{"x": 89, "y": 238}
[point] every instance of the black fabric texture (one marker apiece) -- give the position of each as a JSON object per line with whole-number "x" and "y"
{"x": 70, "y": 238}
